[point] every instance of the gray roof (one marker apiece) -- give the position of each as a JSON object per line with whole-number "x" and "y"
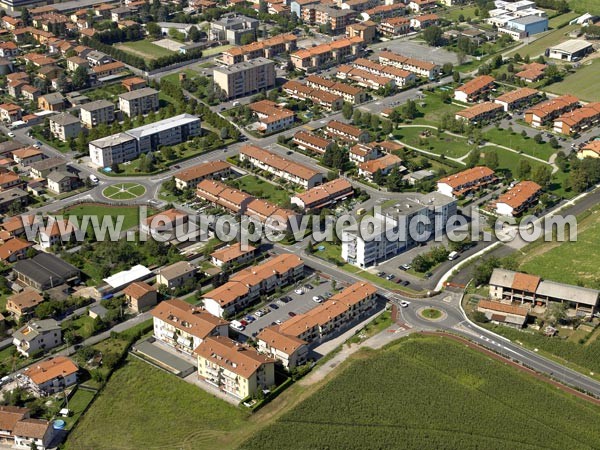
{"x": 502, "y": 278}
{"x": 527, "y": 20}
{"x": 414, "y": 201}
{"x": 9, "y": 146}
{"x": 35, "y": 328}
{"x": 12, "y": 194}
{"x": 138, "y": 93}
{"x": 113, "y": 139}
{"x": 98, "y": 104}
{"x": 54, "y": 97}
{"x": 48, "y": 163}
{"x": 99, "y": 310}
{"x": 46, "y": 267}
{"x": 571, "y": 46}
{"x": 244, "y": 65}
{"x": 575, "y": 294}
{"x": 177, "y": 269}
{"x": 58, "y": 175}
{"x": 122, "y": 9}
{"x": 162, "y": 125}
{"x": 232, "y": 19}
{"x": 64, "y": 119}
{"x": 96, "y": 54}
{"x": 78, "y": 4}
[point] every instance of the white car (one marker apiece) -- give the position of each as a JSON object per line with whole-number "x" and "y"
{"x": 298, "y": 291}
{"x": 317, "y": 298}
{"x": 11, "y": 134}
{"x": 237, "y": 325}
{"x": 404, "y": 303}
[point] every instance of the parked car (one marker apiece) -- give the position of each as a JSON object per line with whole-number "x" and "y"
{"x": 381, "y": 274}
{"x": 317, "y": 299}
{"x": 405, "y": 267}
{"x": 298, "y": 291}
{"x": 308, "y": 286}
{"x": 390, "y": 277}
{"x": 273, "y": 306}
{"x": 405, "y": 283}
{"x": 244, "y": 322}
{"x": 236, "y": 325}
{"x": 278, "y": 322}
{"x": 292, "y": 314}
{"x": 11, "y": 134}
{"x": 249, "y": 318}
{"x": 428, "y": 275}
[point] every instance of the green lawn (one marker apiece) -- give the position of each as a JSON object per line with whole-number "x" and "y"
{"x": 82, "y": 325}
{"x": 583, "y": 83}
{"x": 447, "y": 145}
{"x": 453, "y": 14}
{"x": 109, "y": 92}
{"x": 130, "y": 213}
{"x": 519, "y": 143}
{"x": 431, "y": 392}
{"x": 144, "y": 407}
{"x": 77, "y": 403}
{"x": 260, "y": 188}
{"x": 124, "y": 191}
{"x": 144, "y": 49}
{"x": 583, "y": 6}
{"x": 432, "y": 109}
{"x": 174, "y": 77}
{"x": 549, "y": 39}
{"x": 562, "y": 19}
{"x": 215, "y": 50}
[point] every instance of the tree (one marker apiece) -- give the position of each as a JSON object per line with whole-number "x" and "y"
{"x": 447, "y": 68}
{"x": 25, "y": 17}
{"x": 194, "y": 34}
{"x": 541, "y": 175}
{"x": 456, "y": 76}
{"x": 153, "y": 29}
{"x": 247, "y": 38}
{"x": 491, "y": 159}
{"x": 409, "y": 110}
{"x": 356, "y": 115}
{"x": 473, "y": 158}
{"x": 524, "y": 169}
{"x": 386, "y": 127}
{"x": 555, "y": 313}
{"x": 538, "y": 138}
{"x": 80, "y": 78}
{"x": 553, "y": 143}
{"x": 224, "y": 133}
{"x": 347, "y": 111}
{"x": 433, "y": 35}
{"x": 375, "y": 122}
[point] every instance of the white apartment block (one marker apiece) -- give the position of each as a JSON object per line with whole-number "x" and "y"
{"x": 95, "y": 113}
{"x": 139, "y": 102}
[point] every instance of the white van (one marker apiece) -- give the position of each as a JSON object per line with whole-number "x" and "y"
{"x": 452, "y": 256}
{"x": 94, "y": 179}
{"x": 236, "y": 325}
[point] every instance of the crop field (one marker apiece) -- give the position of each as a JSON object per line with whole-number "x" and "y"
{"x": 582, "y": 84}
{"x": 430, "y": 392}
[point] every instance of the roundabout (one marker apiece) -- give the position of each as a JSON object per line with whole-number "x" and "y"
{"x": 124, "y": 191}
{"x": 432, "y": 314}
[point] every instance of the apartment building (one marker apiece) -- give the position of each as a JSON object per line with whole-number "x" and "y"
{"x": 42, "y": 168}
{"x": 385, "y": 11}
{"x": 311, "y": 142}
{"x": 281, "y": 167}
{"x": 249, "y": 284}
{"x": 268, "y": 48}
{"x": 139, "y": 102}
{"x": 232, "y": 27}
{"x": 517, "y": 99}
{"x": 327, "y": 55}
{"x": 418, "y": 67}
{"x": 345, "y": 132}
{"x": 333, "y": 18}
{"x": 350, "y": 94}
{"x": 364, "y": 78}
{"x": 106, "y": 70}
{"x": 221, "y": 195}
{"x": 366, "y": 30}
{"x": 289, "y": 350}
{"x": 113, "y": 149}
{"x": 326, "y": 100}
{"x": 64, "y": 126}
{"x": 272, "y": 117}
{"x": 543, "y": 113}
{"x": 190, "y": 177}
{"x": 424, "y": 21}
{"x": 360, "y": 153}
{"x": 475, "y": 89}
{"x": 176, "y": 275}
{"x": 271, "y": 216}
{"x": 394, "y": 26}
{"x": 37, "y": 336}
{"x": 481, "y": 112}
{"x": 578, "y": 120}
{"x": 466, "y": 182}
{"x": 75, "y": 62}
{"x": 246, "y": 78}
{"x": 184, "y": 326}
{"x": 232, "y": 255}
{"x": 385, "y": 165}
{"x": 324, "y": 195}
{"x": 52, "y": 375}
{"x": 235, "y": 368}
{"x": 414, "y": 219}
{"x": 97, "y": 112}
{"x": 518, "y": 198}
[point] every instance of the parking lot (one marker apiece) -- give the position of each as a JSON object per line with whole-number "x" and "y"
{"x": 299, "y": 304}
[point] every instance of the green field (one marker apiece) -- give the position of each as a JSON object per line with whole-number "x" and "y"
{"x": 539, "y": 46}
{"x": 430, "y": 392}
{"x": 583, "y": 6}
{"x": 260, "y": 188}
{"x": 548, "y": 260}
{"x": 519, "y": 143}
{"x": 583, "y": 83}
{"x": 432, "y": 109}
{"x": 562, "y": 19}
{"x": 130, "y": 213}
{"x": 446, "y": 144}
{"x": 453, "y": 14}
{"x": 124, "y": 191}
{"x": 77, "y": 403}
{"x": 144, "y": 49}
{"x": 143, "y": 407}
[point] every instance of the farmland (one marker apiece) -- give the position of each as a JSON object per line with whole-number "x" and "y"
{"x": 582, "y": 83}
{"x": 429, "y": 392}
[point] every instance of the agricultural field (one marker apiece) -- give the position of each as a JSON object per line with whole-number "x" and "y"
{"x": 539, "y": 46}
{"x": 144, "y": 407}
{"x": 430, "y": 392}
{"x": 144, "y": 49}
{"x": 582, "y": 84}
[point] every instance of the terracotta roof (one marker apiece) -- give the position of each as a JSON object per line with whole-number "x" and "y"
{"x": 519, "y": 94}
{"x": 58, "y": 229}
{"x": 27, "y": 152}
{"x": 329, "y": 190}
{"x": 10, "y": 415}
{"x": 467, "y": 176}
{"x": 271, "y": 110}
{"x": 13, "y": 246}
{"x": 27, "y": 299}
{"x": 15, "y": 223}
{"x": 284, "y": 343}
{"x": 476, "y": 84}
{"x": 324, "y": 48}
{"x": 256, "y": 46}
{"x": 525, "y": 282}
{"x": 520, "y": 194}
{"x": 480, "y": 108}
{"x": 382, "y": 163}
{"x": 184, "y": 316}
{"x": 427, "y": 18}
{"x": 552, "y": 106}
{"x": 221, "y": 194}
{"x": 202, "y": 170}
{"x": 312, "y": 139}
{"x": 345, "y": 128}
{"x": 232, "y": 356}
{"x": 8, "y": 177}
{"x": 170, "y": 216}
{"x": 271, "y": 159}
{"x": 50, "y": 369}
{"x": 138, "y": 289}
{"x": 31, "y": 428}
{"x": 575, "y": 117}
{"x": 133, "y": 81}
{"x": 593, "y": 146}
{"x": 231, "y": 252}
{"x": 108, "y": 66}
{"x": 503, "y": 307}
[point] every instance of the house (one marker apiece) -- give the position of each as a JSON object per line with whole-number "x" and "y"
{"x": 233, "y": 255}
{"x": 345, "y": 132}
{"x": 133, "y": 83}
{"x": 518, "y": 198}
{"x": 589, "y": 150}
{"x": 18, "y": 430}
{"x": 475, "y": 89}
{"x": 385, "y": 164}
{"x": 42, "y": 168}
{"x": 97, "y": 312}
{"x": 60, "y": 181}
{"x": 45, "y": 271}
{"x": 184, "y": 326}
{"x": 271, "y": 215}
{"x": 52, "y": 102}
{"x": 9, "y": 112}
{"x": 272, "y": 117}
{"x": 481, "y": 112}
{"x": 365, "y": 78}
{"x": 466, "y": 182}
{"x": 120, "y": 13}
{"x": 531, "y": 72}
{"x": 424, "y": 21}
{"x": 578, "y": 119}
{"x": 30, "y": 93}
{"x": 190, "y": 177}
{"x": 64, "y": 126}
{"x": 235, "y": 368}
{"x": 311, "y": 142}
{"x": 280, "y": 167}
{"x": 350, "y": 94}
{"x": 543, "y": 113}
{"x": 360, "y": 153}
{"x": 394, "y": 26}
{"x": 10, "y": 180}
{"x": 37, "y": 336}
{"x": 51, "y": 375}
{"x": 75, "y": 62}
{"x": 504, "y": 313}
{"x": 364, "y": 30}
{"x": 421, "y": 5}
{"x": 176, "y": 275}
{"x": 165, "y": 221}
{"x": 106, "y": 70}
{"x": 56, "y": 232}
{"x": 324, "y": 195}
{"x": 14, "y": 249}
{"x": 522, "y": 288}
{"x": 516, "y": 99}
{"x": 139, "y": 101}
{"x": 23, "y": 303}
{"x": 140, "y": 296}
{"x": 13, "y": 196}
{"x": 221, "y": 195}
{"x": 289, "y": 350}
{"x": 97, "y": 112}
{"x": 9, "y": 49}
{"x": 28, "y": 155}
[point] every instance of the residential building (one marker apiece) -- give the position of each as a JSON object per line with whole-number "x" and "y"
{"x": 481, "y": 112}
{"x": 113, "y": 149}
{"x": 423, "y": 21}
{"x": 360, "y": 153}
{"x": 235, "y": 368}
{"x": 249, "y": 284}
{"x": 60, "y": 181}
{"x": 9, "y": 112}
{"x": 18, "y": 430}
{"x": 394, "y": 26}
{"x": 364, "y": 78}
{"x": 27, "y": 156}
{"x": 280, "y": 167}
{"x": 164, "y": 221}
{"x": 56, "y": 232}
{"x": 475, "y": 89}
{"x": 13, "y": 196}
{"x": 9, "y": 180}
{"x": 14, "y": 249}
{"x": 30, "y": 93}
{"x": 140, "y": 296}
{"x": 232, "y": 27}
{"x": 543, "y": 113}
{"x": 364, "y": 30}
{"x": 503, "y": 313}
{"x": 326, "y": 100}
{"x": 385, "y": 164}
{"x": 345, "y": 132}
{"x": 41, "y": 169}
{"x": 37, "y": 336}
{"x": 334, "y": 19}
{"x": 324, "y": 195}
{"x": 517, "y": 99}
{"x": 52, "y": 102}
{"x": 327, "y": 55}
{"x": 421, "y": 5}
{"x": 64, "y": 126}
{"x": 578, "y": 120}
{"x": 351, "y": 94}
{"x": 190, "y": 177}
{"x": 139, "y": 101}
{"x": 9, "y": 50}
{"x": 184, "y": 326}
{"x": 414, "y": 219}
{"x": 52, "y": 375}
{"x": 532, "y": 72}
{"x": 466, "y": 182}
{"x": 97, "y": 112}
{"x": 45, "y": 271}
{"x": 589, "y": 150}
{"x": 233, "y": 255}
{"x": 271, "y": 215}
{"x": 571, "y": 50}
{"x": 522, "y": 288}
{"x": 518, "y": 198}
{"x": 134, "y": 83}
{"x": 311, "y": 142}
{"x": 75, "y": 62}
{"x": 417, "y": 66}
{"x": 176, "y": 275}
{"x": 246, "y": 78}
{"x": 272, "y": 117}
{"x": 289, "y": 350}
{"x": 106, "y": 70}
{"x": 221, "y": 195}
{"x": 268, "y": 48}
{"x": 23, "y": 303}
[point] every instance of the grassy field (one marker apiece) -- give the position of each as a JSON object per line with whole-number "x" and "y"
{"x": 446, "y": 144}
{"x": 583, "y": 6}
{"x": 539, "y": 46}
{"x": 260, "y": 188}
{"x": 582, "y": 84}
{"x": 130, "y": 213}
{"x": 144, "y": 49}
{"x": 215, "y": 50}
{"x": 77, "y": 403}
{"x": 548, "y": 259}
{"x": 124, "y": 191}
{"x": 429, "y": 392}
{"x": 518, "y": 142}
{"x": 109, "y": 92}
{"x": 454, "y": 13}
{"x": 432, "y": 109}
{"x": 558, "y": 21}
{"x": 143, "y": 407}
